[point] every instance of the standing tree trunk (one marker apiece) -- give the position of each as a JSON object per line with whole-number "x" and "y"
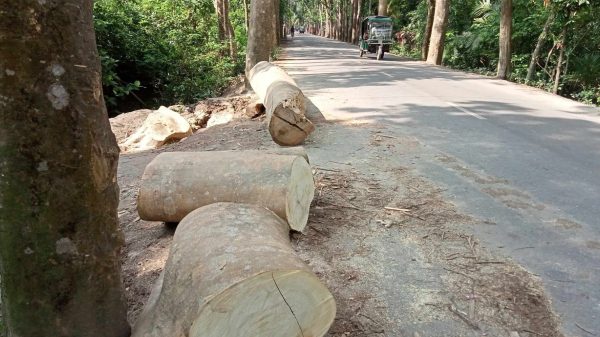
{"x": 438, "y": 32}
{"x": 344, "y": 19}
{"x": 428, "y": 28}
{"x": 260, "y": 33}
{"x": 246, "y": 14}
{"x": 328, "y": 27}
{"x": 229, "y": 32}
{"x": 320, "y": 24}
{"x": 340, "y": 23}
{"x": 281, "y": 31}
{"x": 504, "y": 57}
{"x": 218, "y": 4}
{"x": 349, "y": 19}
{"x": 276, "y": 19}
{"x": 561, "y": 57}
{"x": 59, "y": 242}
{"x": 358, "y": 20}
{"x": 353, "y": 22}
{"x": 382, "y": 9}
{"x": 538, "y": 47}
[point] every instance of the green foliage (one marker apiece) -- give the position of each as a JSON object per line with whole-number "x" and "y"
{"x": 472, "y": 41}
{"x": 164, "y": 51}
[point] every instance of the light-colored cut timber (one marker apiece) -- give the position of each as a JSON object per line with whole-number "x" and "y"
{"x": 232, "y": 272}
{"x": 176, "y": 183}
{"x": 284, "y": 103}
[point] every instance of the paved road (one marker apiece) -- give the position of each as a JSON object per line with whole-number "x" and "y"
{"x": 525, "y": 160}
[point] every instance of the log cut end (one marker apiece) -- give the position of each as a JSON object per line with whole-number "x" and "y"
{"x": 301, "y": 191}
{"x": 288, "y": 128}
{"x": 278, "y": 303}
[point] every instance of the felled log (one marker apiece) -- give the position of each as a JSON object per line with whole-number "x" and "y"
{"x": 159, "y": 128}
{"x": 232, "y": 272}
{"x": 284, "y": 103}
{"x": 176, "y": 183}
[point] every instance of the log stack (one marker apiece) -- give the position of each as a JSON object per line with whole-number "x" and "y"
{"x": 284, "y": 103}
{"x": 232, "y": 272}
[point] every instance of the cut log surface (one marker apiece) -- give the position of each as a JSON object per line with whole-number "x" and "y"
{"x": 284, "y": 103}
{"x": 232, "y": 272}
{"x": 176, "y": 183}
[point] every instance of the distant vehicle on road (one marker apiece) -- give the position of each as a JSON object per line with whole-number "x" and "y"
{"x": 375, "y": 35}
{"x": 301, "y": 30}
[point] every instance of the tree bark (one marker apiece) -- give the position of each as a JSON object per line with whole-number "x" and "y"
{"x": 340, "y": 24}
{"x": 382, "y": 8}
{"x": 348, "y": 13}
{"x": 218, "y": 4}
{"x": 282, "y": 183}
{"x": 353, "y": 24}
{"x": 505, "y": 43}
{"x": 438, "y": 32}
{"x": 358, "y": 20}
{"x": 538, "y": 47}
{"x": 229, "y": 32}
{"x": 284, "y": 103}
{"x": 329, "y": 28}
{"x": 232, "y": 271}
{"x": 246, "y": 15}
{"x": 322, "y": 21}
{"x": 561, "y": 57}
{"x": 260, "y": 33}
{"x": 59, "y": 242}
{"x": 428, "y": 28}
{"x": 276, "y": 25}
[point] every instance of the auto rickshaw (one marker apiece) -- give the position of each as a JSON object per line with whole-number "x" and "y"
{"x": 375, "y": 35}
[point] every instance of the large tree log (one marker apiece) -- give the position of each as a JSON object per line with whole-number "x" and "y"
{"x": 284, "y": 103}
{"x": 232, "y": 272}
{"x": 176, "y": 183}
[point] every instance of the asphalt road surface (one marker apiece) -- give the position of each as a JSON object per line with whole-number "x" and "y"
{"x": 526, "y": 160}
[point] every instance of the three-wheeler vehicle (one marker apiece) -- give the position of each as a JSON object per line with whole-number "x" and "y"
{"x": 375, "y": 35}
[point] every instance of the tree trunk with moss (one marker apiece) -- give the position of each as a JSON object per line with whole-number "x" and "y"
{"x": 59, "y": 242}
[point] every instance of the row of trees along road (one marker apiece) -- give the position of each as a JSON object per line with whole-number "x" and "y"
{"x": 59, "y": 237}
{"x": 551, "y": 44}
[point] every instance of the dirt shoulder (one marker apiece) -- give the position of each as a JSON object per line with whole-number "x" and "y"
{"x": 390, "y": 247}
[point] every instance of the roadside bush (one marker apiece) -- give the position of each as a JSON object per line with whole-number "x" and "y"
{"x": 161, "y": 52}
{"x": 472, "y": 41}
